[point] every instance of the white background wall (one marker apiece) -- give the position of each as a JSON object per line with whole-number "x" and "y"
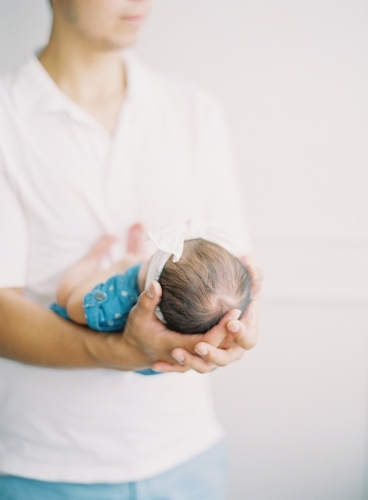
{"x": 292, "y": 77}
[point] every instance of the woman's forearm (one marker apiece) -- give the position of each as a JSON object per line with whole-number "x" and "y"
{"x": 32, "y": 334}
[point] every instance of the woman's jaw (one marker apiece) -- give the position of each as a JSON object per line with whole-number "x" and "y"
{"x": 102, "y": 24}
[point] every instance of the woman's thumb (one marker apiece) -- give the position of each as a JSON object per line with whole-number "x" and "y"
{"x": 150, "y": 298}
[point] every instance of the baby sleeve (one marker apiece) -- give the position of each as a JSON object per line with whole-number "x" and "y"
{"x": 108, "y": 305}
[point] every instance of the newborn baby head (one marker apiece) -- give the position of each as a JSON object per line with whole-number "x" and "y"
{"x": 202, "y": 286}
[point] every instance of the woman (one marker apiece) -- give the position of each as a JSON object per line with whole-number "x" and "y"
{"x": 91, "y": 142}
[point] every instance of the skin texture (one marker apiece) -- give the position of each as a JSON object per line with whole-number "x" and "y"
{"x": 85, "y": 274}
{"x": 39, "y": 337}
{"x": 82, "y": 57}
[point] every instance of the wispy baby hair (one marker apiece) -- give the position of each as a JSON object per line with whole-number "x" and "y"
{"x": 199, "y": 289}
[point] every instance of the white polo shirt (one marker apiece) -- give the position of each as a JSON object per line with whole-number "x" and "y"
{"x": 64, "y": 181}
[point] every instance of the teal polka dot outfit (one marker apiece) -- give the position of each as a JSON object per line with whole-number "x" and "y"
{"x": 108, "y": 305}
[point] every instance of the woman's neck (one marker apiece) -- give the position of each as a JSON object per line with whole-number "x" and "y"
{"x": 94, "y": 79}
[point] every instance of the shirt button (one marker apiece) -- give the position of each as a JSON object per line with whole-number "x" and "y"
{"x": 100, "y": 295}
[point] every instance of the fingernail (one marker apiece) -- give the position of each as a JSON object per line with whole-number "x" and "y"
{"x": 150, "y": 291}
{"x": 202, "y": 351}
{"x": 179, "y": 357}
{"x": 237, "y": 313}
{"x": 233, "y": 326}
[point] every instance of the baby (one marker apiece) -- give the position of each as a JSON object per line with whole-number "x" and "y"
{"x": 200, "y": 277}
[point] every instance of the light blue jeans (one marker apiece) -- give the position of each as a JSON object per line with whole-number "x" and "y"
{"x": 202, "y": 478}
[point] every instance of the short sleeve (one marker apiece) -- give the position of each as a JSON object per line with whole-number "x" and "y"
{"x": 220, "y": 188}
{"x": 103, "y": 310}
{"x": 13, "y": 236}
{"x": 108, "y": 305}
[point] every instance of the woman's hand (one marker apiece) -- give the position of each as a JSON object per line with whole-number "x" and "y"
{"x": 225, "y": 342}
{"x": 145, "y": 339}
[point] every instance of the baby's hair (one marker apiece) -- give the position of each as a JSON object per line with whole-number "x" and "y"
{"x": 199, "y": 289}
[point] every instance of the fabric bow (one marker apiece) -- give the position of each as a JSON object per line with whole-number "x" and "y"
{"x": 170, "y": 241}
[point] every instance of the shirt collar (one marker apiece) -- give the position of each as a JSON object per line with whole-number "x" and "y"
{"x": 35, "y": 93}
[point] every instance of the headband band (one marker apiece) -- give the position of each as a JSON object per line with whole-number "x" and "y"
{"x": 170, "y": 241}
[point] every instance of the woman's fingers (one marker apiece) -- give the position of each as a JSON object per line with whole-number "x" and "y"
{"x": 255, "y": 273}
{"x": 193, "y": 361}
{"x": 219, "y": 357}
{"x": 245, "y": 331}
{"x": 162, "y": 366}
{"x": 190, "y": 362}
{"x": 207, "y": 355}
{"x": 217, "y": 333}
{"x": 208, "y": 358}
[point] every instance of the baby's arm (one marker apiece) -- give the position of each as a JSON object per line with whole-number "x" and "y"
{"x": 77, "y": 274}
{"x": 80, "y": 278}
{"x": 74, "y": 305}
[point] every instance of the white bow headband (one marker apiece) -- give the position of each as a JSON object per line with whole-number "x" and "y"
{"x": 170, "y": 241}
